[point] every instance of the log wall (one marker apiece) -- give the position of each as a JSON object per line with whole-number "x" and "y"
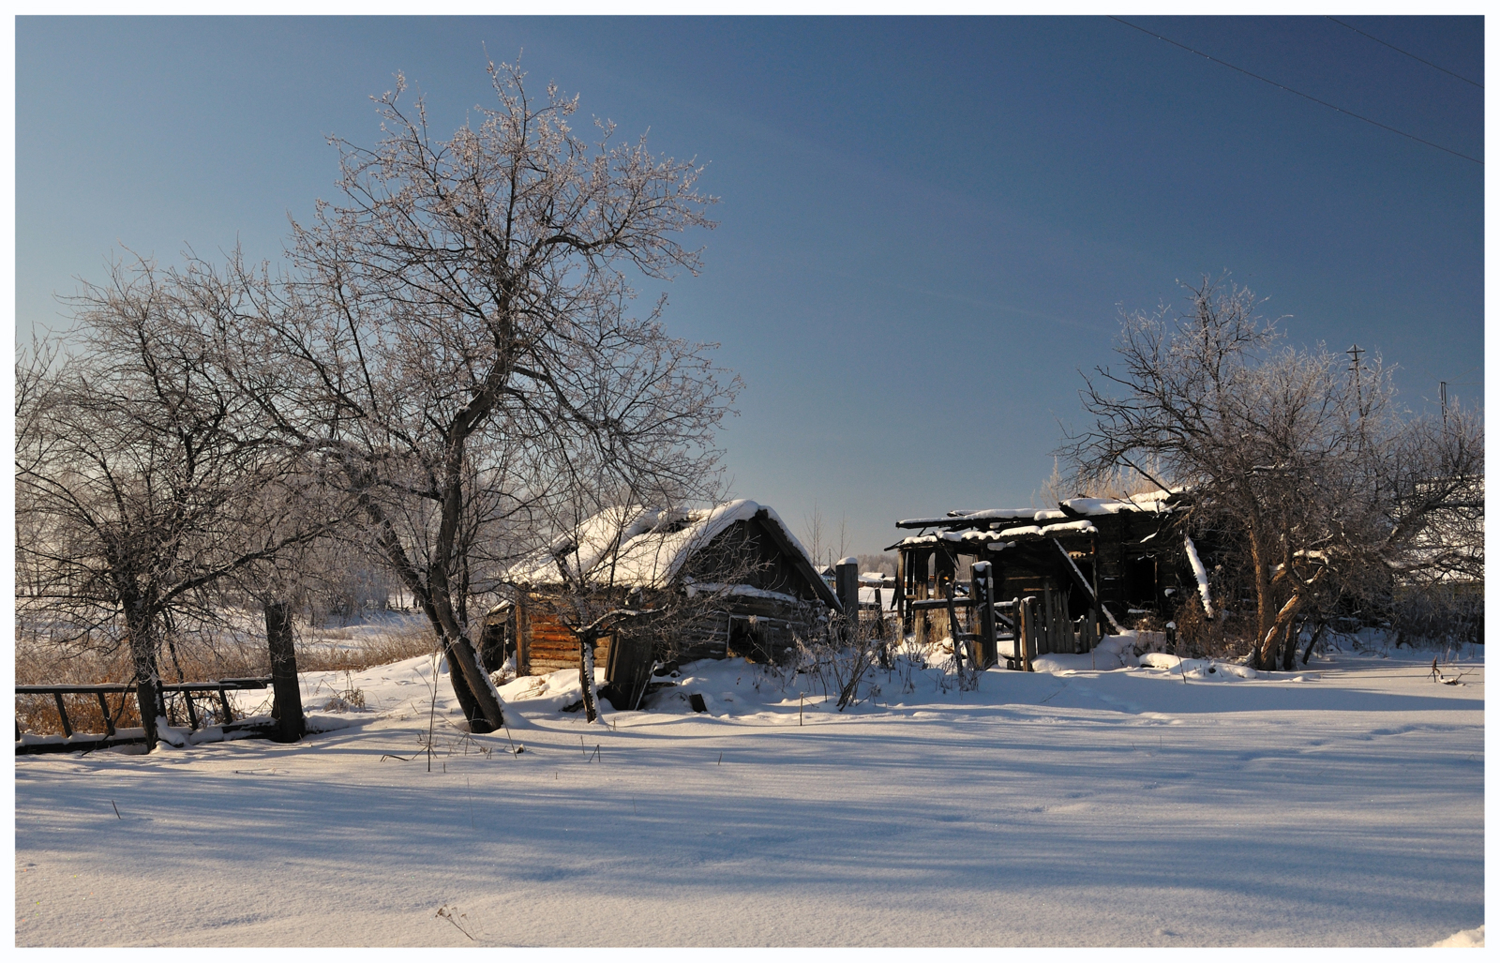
{"x": 553, "y": 645}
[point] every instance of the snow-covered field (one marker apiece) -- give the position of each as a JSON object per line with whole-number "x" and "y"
{"x": 1080, "y": 805}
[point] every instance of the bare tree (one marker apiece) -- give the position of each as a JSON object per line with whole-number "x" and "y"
{"x": 143, "y": 480}
{"x": 1302, "y": 458}
{"x": 456, "y": 341}
{"x": 812, "y": 530}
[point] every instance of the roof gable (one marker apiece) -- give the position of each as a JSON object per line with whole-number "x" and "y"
{"x": 647, "y": 548}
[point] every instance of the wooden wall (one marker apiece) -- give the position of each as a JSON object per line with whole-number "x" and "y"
{"x": 550, "y": 645}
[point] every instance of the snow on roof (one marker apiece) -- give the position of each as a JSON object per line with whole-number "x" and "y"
{"x": 985, "y": 535}
{"x": 1156, "y": 501}
{"x": 1040, "y": 531}
{"x": 960, "y": 518}
{"x": 639, "y": 546}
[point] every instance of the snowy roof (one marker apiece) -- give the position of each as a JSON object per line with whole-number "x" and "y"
{"x": 985, "y": 536}
{"x": 1061, "y": 528}
{"x": 952, "y": 518}
{"x": 638, "y": 546}
{"x": 1157, "y": 501}
{"x": 995, "y": 518}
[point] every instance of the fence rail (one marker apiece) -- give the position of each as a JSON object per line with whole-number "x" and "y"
{"x": 29, "y": 743}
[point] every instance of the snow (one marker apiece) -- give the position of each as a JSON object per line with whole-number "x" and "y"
{"x": 984, "y": 536}
{"x": 887, "y": 597}
{"x": 1106, "y": 799}
{"x": 993, "y": 514}
{"x": 639, "y": 546}
{"x": 1155, "y": 501}
{"x": 595, "y": 539}
{"x": 749, "y": 591}
{"x": 1042, "y": 531}
{"x": 1200, "y": 573}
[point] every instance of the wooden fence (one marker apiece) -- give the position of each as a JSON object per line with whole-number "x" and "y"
{"x": 71, "y": 741}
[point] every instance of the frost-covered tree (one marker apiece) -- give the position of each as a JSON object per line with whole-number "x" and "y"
{"x": 1302, "y": 458}
{"x": 143, "y": 478}
{"x": 455, "y": 340}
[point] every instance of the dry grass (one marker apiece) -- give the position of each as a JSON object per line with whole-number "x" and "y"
{"x": 322, "y": 653}
{"x": 38, "y": 713}
{"x": 40, "y": 664}
{"x": 1224, "y": 637}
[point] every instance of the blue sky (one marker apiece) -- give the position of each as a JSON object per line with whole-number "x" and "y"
{"x": 926, "y": 225}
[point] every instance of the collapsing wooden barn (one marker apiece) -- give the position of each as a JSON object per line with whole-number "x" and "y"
{"x": 1092, "y": 565}
{"x": 660, "y": 585}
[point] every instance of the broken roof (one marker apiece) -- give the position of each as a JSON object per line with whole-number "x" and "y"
{"x": 1071, "y": 517}
{"x": 1074, "y": 508}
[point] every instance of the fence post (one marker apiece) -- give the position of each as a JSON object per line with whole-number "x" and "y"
{"x": 109, "y": 724}
{"x": 899, "y": 603}
{"x": 286, "y": 699}
{"x": 62, "y": 713}
{"x": 1029, "y": 630}
{"x": 982, "y": 588}
{"x": 846, "y": 578}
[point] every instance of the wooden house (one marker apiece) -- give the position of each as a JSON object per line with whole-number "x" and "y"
{"x": 687, "y": 584}
{"x": 1095, "y": 565}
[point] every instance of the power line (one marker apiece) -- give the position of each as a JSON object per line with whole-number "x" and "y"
{"x": 1299, "y": 93}
{"x": 1406, "y": 52}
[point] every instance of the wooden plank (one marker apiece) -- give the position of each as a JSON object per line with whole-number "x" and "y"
{"x": 926, "y": 604}
{"x": 113, "y": 688}
{"x": 982, "y": 592}
{"x": 109, "y": 724}
{"x": 62, "y": 712}
{"x": 1029, "y": 630}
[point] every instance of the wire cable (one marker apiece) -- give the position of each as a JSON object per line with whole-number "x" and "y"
{"x": 1267, "y": 80}
{"x": 1406, "y": 52}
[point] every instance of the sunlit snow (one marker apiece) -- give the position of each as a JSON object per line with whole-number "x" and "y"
{"x": 1102, "y": 800}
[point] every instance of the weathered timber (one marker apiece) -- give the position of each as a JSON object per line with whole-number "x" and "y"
{"x": 72, "y": 741}
{"x": 942, "y": 603}
{"x": 982, "y": 591}
{"x": 846, "y": 578}
{"x": 1029, "y": 631}
{"x": 628, "y": 671}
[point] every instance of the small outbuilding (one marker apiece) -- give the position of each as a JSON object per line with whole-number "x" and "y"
{"x": 1093, "y": 564}
{"x": 660, "y": 585}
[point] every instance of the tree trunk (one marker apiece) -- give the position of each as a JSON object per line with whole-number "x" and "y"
{"x": 586, "y": 642}
{"x": 148, "y": 696}
{"x": 471, "y": 686}
{"x": 287, "y": 695}
{"x": 1289, "y": 647}
{"x": 1280, "y": 631}
{"x": 471, "y": 702}
{"x": 1264, "y": 602}
{"x": 140, "y": 624}
{"x": 1317, "y": 634}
